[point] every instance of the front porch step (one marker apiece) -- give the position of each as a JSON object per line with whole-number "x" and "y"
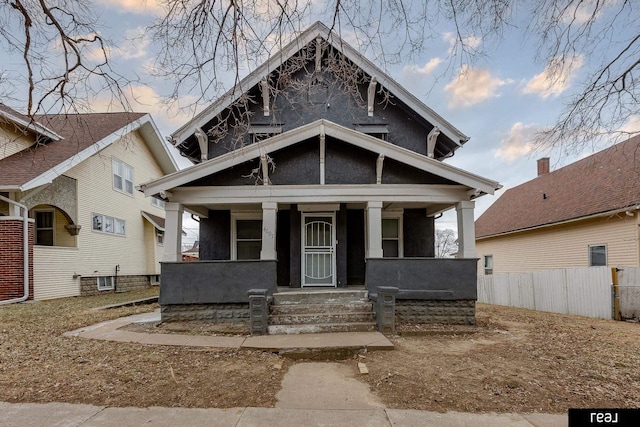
{"x": 321, "y": 318}
{"x": 321, "y": 328}
{"x": 320, "y": 297}
{"x": 320, "y": 310}
{"x": 354, "y": 306}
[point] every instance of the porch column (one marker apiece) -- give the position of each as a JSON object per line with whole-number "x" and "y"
{"x": 374, "y": 230}
{"x": 269, "y": 220}
{"x": 173, "y": 232}
{"x": 466, "y": 230}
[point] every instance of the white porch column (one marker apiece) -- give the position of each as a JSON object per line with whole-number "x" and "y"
{"x": 374, "y": 229}
{"x": 466, "y": 230}
{"x": 269, "y": 221}
{"x": 173, "y": 232}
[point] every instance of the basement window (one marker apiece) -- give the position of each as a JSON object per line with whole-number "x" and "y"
{"x": 105, "y": 283}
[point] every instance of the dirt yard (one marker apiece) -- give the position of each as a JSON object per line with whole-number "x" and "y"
{"x": 514, "y": 361}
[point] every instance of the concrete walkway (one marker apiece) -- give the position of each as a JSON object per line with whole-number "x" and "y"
{"x": 313, "y": 394}
{"x": 287, "y": 343}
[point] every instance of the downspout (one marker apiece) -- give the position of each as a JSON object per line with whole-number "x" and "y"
{"x": 25, "y": 247}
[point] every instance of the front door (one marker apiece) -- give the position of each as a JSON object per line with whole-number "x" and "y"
{"x": 318, "y": 250}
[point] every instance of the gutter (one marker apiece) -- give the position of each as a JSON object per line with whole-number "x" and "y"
{"x": 25, "y": 248}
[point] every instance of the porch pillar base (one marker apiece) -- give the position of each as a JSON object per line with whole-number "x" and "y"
{"x": 258, "y": 311}
{"x": 385, "y": 309}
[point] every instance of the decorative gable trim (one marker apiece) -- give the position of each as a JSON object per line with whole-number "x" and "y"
{"x": 31, "y": 125}
{"x": 319, "y": 129}
{"x": 318, "y": 30}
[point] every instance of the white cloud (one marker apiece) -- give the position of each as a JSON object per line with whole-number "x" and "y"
{"x": 582, "y": 12}
{"x": 555, "y": 78}
{"x": 632, "y": 125}
{"x": 135, "y": 6}
{"x": 471, "y": 42}
{"x": 426, "y": 69}
{"x": 517, "y": 143}
{"x": 472, "y": 86}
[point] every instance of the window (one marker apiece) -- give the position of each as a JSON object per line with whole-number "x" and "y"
{"x": 157, "y": 202}
{"x": 45, "y": 221}
{"x": 392, "y": 235}
{"x": 105, "y": 283}
{"x": 597, "y": 255}
{"x": 160, "y": 237}
{"x": 261, "y": 132}
{"x": 247, "y": 236}
{"x": 380, "y": 131}
{"x": 107, "y": 224}
{"x": 122, "y": 177}
{"x": 488, "y": 264}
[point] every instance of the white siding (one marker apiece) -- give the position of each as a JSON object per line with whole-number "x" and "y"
{"x": 563, "y": 246}
{"x": 12, "y": 142}
{"x": 53, "y": 270}
{"x": 98, "y": 253}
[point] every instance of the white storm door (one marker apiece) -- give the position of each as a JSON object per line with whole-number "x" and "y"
{"x": 318, "y": 250}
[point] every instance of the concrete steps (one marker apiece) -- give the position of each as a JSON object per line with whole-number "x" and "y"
{"x": 317, "y": 311}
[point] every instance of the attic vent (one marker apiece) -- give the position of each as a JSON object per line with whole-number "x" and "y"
{"x": 380, "y": 131}
{"x": 261, "y": 132}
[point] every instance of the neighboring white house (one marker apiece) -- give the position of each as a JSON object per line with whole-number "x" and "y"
{"x": 91, "y": 229}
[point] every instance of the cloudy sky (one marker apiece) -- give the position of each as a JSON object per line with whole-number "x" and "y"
{"x": 499, "y": 101}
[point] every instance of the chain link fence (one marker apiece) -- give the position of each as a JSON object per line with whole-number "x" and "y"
{"x": 629, "y": 300}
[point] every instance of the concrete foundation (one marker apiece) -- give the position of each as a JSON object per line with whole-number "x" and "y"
{"x": 454, "y": 312}
{"x": 232, "y": 312}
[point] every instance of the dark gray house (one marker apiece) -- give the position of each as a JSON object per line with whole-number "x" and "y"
{"x": 318, "y": 170}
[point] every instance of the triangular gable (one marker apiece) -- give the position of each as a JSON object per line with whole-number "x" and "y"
{"x": 316, "y": 129}
{"x": 18, "y": 172}
{"x": 24, "y": 123}
{"x": 273, "y": 63}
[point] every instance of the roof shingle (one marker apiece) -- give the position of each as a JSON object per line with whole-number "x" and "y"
{"x": 603, "y": 182}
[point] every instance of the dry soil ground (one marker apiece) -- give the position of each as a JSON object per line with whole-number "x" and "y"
{"x": 514, "y": 361}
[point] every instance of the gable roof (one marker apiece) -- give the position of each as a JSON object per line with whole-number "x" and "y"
{"x": 275, "y": 61}
{"x": 80, "y": 136}
{"x": 317, "y": 128}
{"x": 596, "y": 185}
{"x": 24, "y": 123}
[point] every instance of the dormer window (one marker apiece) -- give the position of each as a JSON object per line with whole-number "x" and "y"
{"x": 261, "y": 132}
{"x": 380, "y": 131}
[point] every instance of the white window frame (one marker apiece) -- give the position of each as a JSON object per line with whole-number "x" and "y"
{"x": 108, "y": 283}
{"x": 395, "y": 214}
{"x": 235, "y": 216}
{"x": 116, "y": 225}
{"x": 606, "y": 255}
{"x": 487, "y": 269}
{"x": 53, "y": 226}
{"x": 120, "y": 169}
{"x": 160, "y": 237}
{"x": 157, "y": 202}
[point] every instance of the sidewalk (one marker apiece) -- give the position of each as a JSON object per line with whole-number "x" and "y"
{"x": 68, "y": 415}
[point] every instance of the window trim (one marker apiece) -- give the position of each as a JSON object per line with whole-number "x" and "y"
{"x": 487, "y": 270}
{"x": 158, "y": 203}
{"x": 115, "y": 225}
{"x": 53, "y": 226}
{"x": 395, "y": 214}
{"x": 606, "y": 255}
{"x": 124, "y": 165}
{"x": 160, "y": 237}
{"x": 235, "y": 216}
{"x": 105, "y": 288}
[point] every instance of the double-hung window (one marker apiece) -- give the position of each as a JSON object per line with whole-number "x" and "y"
{"x": 122, "y": 177}
{"x": 247, "y": 236}
{"x": 488, "y": 264}
{"x": 45, "y": 220}
{"x": 392, "y": 246}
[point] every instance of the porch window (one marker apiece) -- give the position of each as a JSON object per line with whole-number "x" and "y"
{"x": 392, "y": 235}
{"x": 45, "y": 221}
{"x": 122, "y": 177}
{"x": 247, "y": 243}
{"x": 597, "y": 255}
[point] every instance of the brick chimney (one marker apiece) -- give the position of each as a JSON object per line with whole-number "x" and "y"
{"x": 543, "y": 166}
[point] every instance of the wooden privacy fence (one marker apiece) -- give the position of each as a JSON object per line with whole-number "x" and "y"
{"x": 582, "y": 291}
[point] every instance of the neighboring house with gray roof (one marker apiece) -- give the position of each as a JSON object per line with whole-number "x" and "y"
{"x": 90, "y": 230}
{"x": 583, "y": 214}
{"x": 318, "y": 171}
